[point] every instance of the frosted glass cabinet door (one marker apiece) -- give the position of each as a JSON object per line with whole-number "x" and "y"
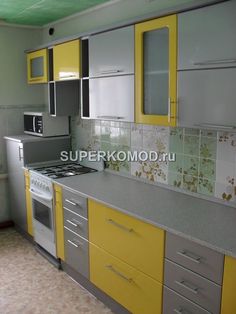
{"x": 155, "y": 76}
{"x": 37, "y": 66}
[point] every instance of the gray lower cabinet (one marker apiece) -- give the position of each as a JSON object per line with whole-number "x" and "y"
{"x": 174, "y": 303}
{"x": 206, "y": 37}
{"x": 112, "y": 53}
{"x": 207, "y": 97}
{"x": 112, "y": 98}
{"x": 76, "y": 252}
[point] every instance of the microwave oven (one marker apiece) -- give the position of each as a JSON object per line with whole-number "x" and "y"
{"x": 42, "y": 124}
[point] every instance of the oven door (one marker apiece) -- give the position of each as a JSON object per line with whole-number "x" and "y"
{"x": 43, "y": 221}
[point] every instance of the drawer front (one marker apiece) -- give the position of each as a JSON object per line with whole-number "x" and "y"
{"x": 192, "y": 286}
{"x": 134, "y": 242}
{"x": 134, "y": 290}
{"x": 198, "y": 258}
{"x": 75, "y": 202}
{"x": 174, "y": 303}
{"x": 76, "y": 223}
{"x": 76, "y": 253}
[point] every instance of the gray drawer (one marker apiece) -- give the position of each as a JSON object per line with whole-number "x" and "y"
{"x": 174, "y": 303}
{"x": 195, "y": 257}
{"x": 76, "y": 223}
{"x": 76, "y": 252}
{"x": 75, "y": 202}
{"x": 192, "y": 286}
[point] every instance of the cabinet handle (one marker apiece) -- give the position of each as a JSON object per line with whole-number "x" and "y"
{"x": 169, "y": 109}
{"x": 181, "y": 311}
{"x": 111, "y": 268}
{"x": 110, "y": 117}
{"x": 20, "y": 149}
{"x": 67, "y": 76}
{"x": 113, "y": 71}
{"x": 75, "y": 223}
{"x": 218, "y": 126}
{"x": 187, "y": 286}
{"x": 74, "y": 244}
{"x": 73, "y": 203}
{"x": 212, "y": 62}
{"x": 116, "y": 224}
{"x": 196, "y": 259}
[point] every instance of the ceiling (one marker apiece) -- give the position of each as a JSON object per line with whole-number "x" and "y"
{"x": 41, "y": 12}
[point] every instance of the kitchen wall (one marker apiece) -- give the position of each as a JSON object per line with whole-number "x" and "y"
{"x": 16, "y": 96}
{"x": 205, "y": 160}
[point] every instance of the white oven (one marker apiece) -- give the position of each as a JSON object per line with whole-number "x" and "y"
{"x": 43, "y": 213}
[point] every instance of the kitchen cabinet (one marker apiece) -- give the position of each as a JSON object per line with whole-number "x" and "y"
{"x": 59, "y": 222}
{"x": 64, "y": 98}
{"x": 37, "y": 66}
{"x": 66, "y": 60}
{"x": 229, "y": 286}
{"x": 28, "y": 204}
{"x": 206, "y": 98}
{"x": 111, "y": 98}
{"x": 206, "y": 37}
{"x": 156, "y": 71}
{"x": 112, "y": 53}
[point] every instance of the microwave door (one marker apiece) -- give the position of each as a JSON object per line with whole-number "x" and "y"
{"x": 29, "y": 123}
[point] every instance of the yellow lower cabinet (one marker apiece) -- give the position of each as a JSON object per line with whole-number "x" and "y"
{"x": 137, "y": 243}
{"x": 59, "y": 219}
{"x": 28, "y": 204}
{"x": 138, "y": 293}
{"x": 228, "y": 305}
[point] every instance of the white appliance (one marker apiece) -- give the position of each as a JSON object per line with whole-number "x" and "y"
{"x": 42, "y": 124}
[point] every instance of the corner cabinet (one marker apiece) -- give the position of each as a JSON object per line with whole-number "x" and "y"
{"x": 66, "y": 61}
{"x": 156, "y": 71}
{"x": 37, "y": 66}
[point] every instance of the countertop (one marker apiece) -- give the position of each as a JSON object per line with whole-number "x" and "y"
{"x": 23, "y": 138}
{"x": 202, "y": 221}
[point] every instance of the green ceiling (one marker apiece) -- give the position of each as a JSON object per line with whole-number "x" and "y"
{"x": 41, "y": 12}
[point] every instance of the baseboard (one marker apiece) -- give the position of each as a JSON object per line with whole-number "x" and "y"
{"x": 6, "y": 224}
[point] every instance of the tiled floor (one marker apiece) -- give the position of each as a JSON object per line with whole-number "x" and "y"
{"x": 30, "y": 285}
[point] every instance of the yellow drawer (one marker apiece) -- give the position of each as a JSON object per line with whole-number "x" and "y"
{"x": 59, "y": 220}
{"x": 139, "y": 244}
{"x": 134, "y": 290}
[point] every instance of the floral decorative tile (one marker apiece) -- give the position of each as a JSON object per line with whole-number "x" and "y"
{"x": 206, "y": 187}
{"x": 137, "y": 135}
{"x": 226, "y": 192}
{"x": 190, "y": 183}
{"x": 207, "y": 169}
{"x": 226, "y": 147}
{"x": 153, "y": 171}
{"x": 177, "y": 165}
{"x": 191, "y": 145}
{"x": 156, "y": 140}
{"x": 176, "y": 143}
{"x": 175, "y": 179}
{"x": 208, "y": 147}
{"x": 190, "y": 166}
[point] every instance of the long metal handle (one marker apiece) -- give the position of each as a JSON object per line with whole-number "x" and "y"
{"x": 72, "y": 243}
{"x": 43, "y": 197}
{"x": 111, "y": 268}
{"x": 187, "y": 286}
{"x": 72, "y": 202}
{"x": 218, "y": 126}
{"x": 114, "y": 223}
{"x": 169, "y": 110}
{"x": 186, "y": 254}
{"x": 75, "y": 223}
{"x": 110, "y": 117}
{"x": 181, "y": 311}
{"x": 34, "y": 127}
{"x": 68, "y": 76}
{"x": 212, "y": 62}
{"x": 20, "y": 149}
{"x": 110, "y": 71}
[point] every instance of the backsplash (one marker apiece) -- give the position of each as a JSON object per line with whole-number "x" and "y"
{"x": 205, "y": 160}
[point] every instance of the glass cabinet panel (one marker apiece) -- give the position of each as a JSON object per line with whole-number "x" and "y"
{"x": 156, "y": 71}
{"x": 37, "y": 66}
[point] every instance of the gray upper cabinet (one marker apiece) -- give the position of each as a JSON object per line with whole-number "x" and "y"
{"x": 112, "y": 53}
{"x": 207, "y": 37}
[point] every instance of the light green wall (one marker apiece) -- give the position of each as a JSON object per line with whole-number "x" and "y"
{"x": 117, "y": 12}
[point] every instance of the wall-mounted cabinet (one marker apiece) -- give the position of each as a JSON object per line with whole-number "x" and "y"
{"x": 37, "y": 66}
{"x": 112, "y": 53}
{"x": 66, "y": 61}
{"x": 207, "y": 37}
{"x": 64, "y": 98}
{"x": 155, "y": 71}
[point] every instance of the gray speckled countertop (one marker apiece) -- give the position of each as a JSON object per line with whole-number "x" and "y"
{"x": 202, "y": 221}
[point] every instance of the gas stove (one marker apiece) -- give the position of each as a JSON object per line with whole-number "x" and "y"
{"x": 63, "y": 170}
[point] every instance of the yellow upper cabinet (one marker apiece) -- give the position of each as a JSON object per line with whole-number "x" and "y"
{"x": 37, "y": 66}
{"x": 66, "y": 61}
{"x": 156, "y": 71}
{"x": 228, "y": 304}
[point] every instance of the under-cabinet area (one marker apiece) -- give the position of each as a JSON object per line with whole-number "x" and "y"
{"x": 117, "y": 157}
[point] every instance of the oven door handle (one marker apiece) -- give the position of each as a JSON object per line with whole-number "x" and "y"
{"x": 43, "y": 197}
